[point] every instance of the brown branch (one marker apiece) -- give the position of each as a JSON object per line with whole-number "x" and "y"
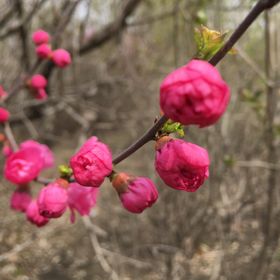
{"x": 14, "y": 29}
{"x": 23, "y": 34}
{"x": 111, "y": 30}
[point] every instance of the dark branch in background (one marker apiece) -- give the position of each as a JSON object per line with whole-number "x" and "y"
{"x": 23, "y": 34}
{"x": 14, "y": 29}
{"x": 68, "y": 10}
{"x": 261, "y": 6}
{"x": 105, "y": 34}
{"x": 7, "y": 16}
{"x": 110, "y": 30}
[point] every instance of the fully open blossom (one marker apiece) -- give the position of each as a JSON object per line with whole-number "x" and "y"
{"x": 23, "y": 166}
{"x": 40, "y": 37}
{"x": 44, "y": 152}
{"x": 4, "y": 115}
{"x": 20, "y": 200}
{"x": 38, "y": 81}
{"x": 44, "y": 51}
{"x": 136, "y": 193}
{"x": 61, "y": 58}
{"x": 92, "y": 163}
{"x": 182, "y": 165}
{"x": 52, "y": 201}
{"x": 194, "y": 94}
{"x": 81, "y": 199}
{"x": 33, "y": 215}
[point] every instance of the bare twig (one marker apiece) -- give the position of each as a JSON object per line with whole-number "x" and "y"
{"x": 99, "y": 250}
{"x": 14, "y": 29}
{"x": 10, "y": 136}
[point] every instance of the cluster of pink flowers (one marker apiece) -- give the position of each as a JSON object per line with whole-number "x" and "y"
{"x": 37, "y": 85}
{"x": 194, "y": 94}
{"x": 93, "y": 163}
{"x": 60, "y": 57}
{"x": 24, "y": 166}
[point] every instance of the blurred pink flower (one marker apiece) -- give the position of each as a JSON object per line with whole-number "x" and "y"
{"x": 20, "y": 200}
{"x": 81, "y": 198}
{"x": 61, "y": 58}
{"x": 33, "y": 215}
{"x": 40, "y": 37}
{"x": 52, "y": 201}
{"x": 4, "y": 115}
{"x": 23, "y": 166}
{"x": 44, "y": 51}
{"x": 44, "y": 152}
{"x": 38, "y": 81}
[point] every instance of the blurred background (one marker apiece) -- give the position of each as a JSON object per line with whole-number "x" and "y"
{"x": 121, "y": 50}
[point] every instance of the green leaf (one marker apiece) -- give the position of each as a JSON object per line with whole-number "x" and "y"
{"x": 65, "y": 171}
{"x": 173, "y": 127}
{"x": 208, "y": 42}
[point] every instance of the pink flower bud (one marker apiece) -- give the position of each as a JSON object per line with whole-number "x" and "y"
{"x": 61, "y": 58}
{"x": 81, "y": 199}
{"x": 4, "y": 115}
{"x": 33, "y": 215}
{"x": 38, "y": 81}
{"x": 194, "y": 94}
{"x": 43, "y": 51}
{"x": 52, "y": 201}
{"x": 40, "y": 37}
{"x": 7, "y": 150}
{"x": 136, "y": 193}
{"x": 20, "y": 200}
{"x": 92, "y": 163}
{"x": 41, "y": 94}
{"x": 182, "y": 165}
{"x": 23, "y": 166}
{"x": 43, "y": 152}
{"x": 3, "y": 93}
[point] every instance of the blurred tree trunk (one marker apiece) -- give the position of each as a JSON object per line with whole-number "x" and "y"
{"x": 270, "y": 235}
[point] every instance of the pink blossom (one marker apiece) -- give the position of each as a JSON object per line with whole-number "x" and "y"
{"x": 33, "y": 215}
{"x": 41, "y": 94}
{"x": 194, "y": 94}
{"x": 4, "y": 115}
{"x": 7, "y": 150}
{"x": 38, "y": 81}
{"x": 81, "y": 199}
{"x": 44, "y": 51}
{"x": 23, "y": 166}
{"x": 52, "y": 201}
{"x": 20, "y": 200}
{"x": 3, "y": 93}
{"x": 44, "y": 152}
{"x": 136, "y": 193}
{"x": 182, "y": 165}
{"x": 92, "y": 163}
{"x": 61, "y": 58}
{"x": 40, "y": 37}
